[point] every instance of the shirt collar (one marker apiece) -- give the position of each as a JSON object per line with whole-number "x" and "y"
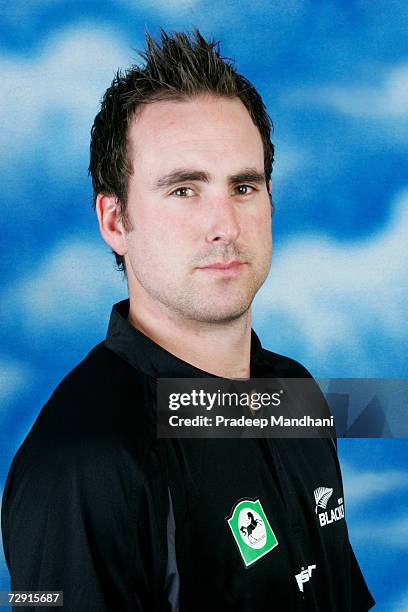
{"x": 144, "y": 354}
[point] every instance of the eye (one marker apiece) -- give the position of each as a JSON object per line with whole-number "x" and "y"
{"x": 183, "y": 192}
{"x": 244, "y": 189}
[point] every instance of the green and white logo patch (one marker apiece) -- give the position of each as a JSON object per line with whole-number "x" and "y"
{"x": 251, "y": 530}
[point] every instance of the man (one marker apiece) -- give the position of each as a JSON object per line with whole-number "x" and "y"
{"x": 98, "y": 506}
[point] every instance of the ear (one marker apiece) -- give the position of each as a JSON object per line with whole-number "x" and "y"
{"x": 110, "y": 223}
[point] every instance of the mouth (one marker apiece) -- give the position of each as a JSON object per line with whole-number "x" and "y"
{"x": 221, "y": 265}
{"x": 223, "y": 268}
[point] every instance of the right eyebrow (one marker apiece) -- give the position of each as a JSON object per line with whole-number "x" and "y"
{"x": 180, "y": 176}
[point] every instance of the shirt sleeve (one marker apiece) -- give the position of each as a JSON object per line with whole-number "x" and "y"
{"x": 361, "y": 598}
{"x": 360, "y": 595}
{"x": 84, "y": 519}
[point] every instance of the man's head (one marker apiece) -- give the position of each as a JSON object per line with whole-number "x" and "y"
{"x": 181, "y": 161}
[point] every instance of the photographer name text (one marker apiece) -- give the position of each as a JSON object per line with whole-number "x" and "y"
{"x": 260, "y": 423}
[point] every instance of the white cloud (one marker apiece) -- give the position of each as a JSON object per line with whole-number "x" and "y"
{"x": 66, "y": 292}
{"x": 13, "y": 376}
{"x": 402, "y": 604}
{"x": 48, "y": 100}
{"x": 362, "y": 486}
{"x": 387, "y": 98}
{"x": 324, "y": 299}
{"x": 392, "y": 533}
{"x": 290, "y": 159}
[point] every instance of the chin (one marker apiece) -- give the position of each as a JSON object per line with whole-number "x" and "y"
{"x": 222, "y": 314}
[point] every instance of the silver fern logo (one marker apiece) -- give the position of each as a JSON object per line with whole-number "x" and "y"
{"x": 322, "y": 496}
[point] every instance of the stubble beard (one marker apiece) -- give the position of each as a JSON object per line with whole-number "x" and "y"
{"x": 232, "y": 303}
{"x": 196, "y": 303}
{"x": 200, "y": 302}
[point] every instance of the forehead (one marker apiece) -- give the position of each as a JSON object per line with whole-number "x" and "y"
{"x": 207, "y": 130}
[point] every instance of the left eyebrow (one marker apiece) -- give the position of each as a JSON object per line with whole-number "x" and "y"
{"x": 247, "y": 175}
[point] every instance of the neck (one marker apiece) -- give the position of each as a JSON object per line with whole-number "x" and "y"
{"x": 222, "y": 349}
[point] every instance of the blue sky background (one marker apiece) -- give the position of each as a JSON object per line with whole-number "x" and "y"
{"x": 334, "y": 76}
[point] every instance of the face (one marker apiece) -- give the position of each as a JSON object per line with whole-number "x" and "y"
{"x": 200, "y": 244}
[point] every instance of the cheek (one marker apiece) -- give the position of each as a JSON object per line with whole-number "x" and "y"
{"x": 262, "y": 243}
{"x": 160, "y": 243}
{"x": 150, "y": 230}
{"x": 260, "y": 227}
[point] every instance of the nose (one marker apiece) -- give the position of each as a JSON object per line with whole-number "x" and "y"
{"x": 222, "y": 222}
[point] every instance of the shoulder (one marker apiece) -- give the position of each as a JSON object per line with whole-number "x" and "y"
{"x": 77, "y": 486}
{"x": 99, "y": 415}
{"x": 280, "y": 365}
{"x": 274, "y": 365}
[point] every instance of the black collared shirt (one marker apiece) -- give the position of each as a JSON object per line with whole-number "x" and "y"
{"x": 97, "y": 506}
